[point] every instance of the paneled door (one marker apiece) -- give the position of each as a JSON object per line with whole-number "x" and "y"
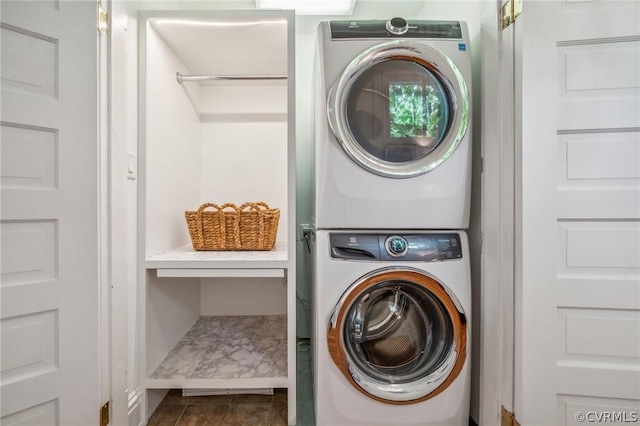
{"x": 578, "y": 213}
{"x": 50, "y": 369}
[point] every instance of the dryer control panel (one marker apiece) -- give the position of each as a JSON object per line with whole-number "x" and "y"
{"x": 396, "y": 27}
{"x": 428, "y": 247}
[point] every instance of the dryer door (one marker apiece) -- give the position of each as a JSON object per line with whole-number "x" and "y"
{"x": 398, "y": 336}
{"x": 399, "y": 109}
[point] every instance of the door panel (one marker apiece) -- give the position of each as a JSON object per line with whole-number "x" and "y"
{"x": 49, "y": 290}
{"x": 578, "y": 236}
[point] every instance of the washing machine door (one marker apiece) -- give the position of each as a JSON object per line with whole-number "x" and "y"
{"x": 398, "y": 336}
{"x": 399, "y": 109}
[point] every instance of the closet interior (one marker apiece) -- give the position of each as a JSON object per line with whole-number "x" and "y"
{"x": 216, "y": 126}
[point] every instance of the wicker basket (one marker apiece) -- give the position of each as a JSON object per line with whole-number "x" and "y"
{"x": 252, "y": 226}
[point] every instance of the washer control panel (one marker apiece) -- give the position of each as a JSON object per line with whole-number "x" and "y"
{"x": 396, "y": 27}
{"x": 427, "y": 247}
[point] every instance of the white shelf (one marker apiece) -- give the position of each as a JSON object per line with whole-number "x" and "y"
{"x": 188, "y": 258}
{"x": 227, "y": 352}
{"x": 220, "y": 273}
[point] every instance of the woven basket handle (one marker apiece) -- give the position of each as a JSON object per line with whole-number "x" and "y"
{"x": 257, "y": 206}
{"x": 205, "y": 206}
{"x": 217, "y": 207}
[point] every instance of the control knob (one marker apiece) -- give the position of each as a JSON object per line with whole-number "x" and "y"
{"x": 396, "y": 246}
{"x": 397, "y": 26}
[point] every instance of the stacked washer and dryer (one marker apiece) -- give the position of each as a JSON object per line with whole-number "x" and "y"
{"x": 391, "y": 291}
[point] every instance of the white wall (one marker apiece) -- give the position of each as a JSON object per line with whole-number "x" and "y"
{"x": 268, "y": 296}
{"x": 172, "y": 153}
{"x": 244, "y": 139}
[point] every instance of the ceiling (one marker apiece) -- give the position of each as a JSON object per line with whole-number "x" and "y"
{"x": 227, "y": 46}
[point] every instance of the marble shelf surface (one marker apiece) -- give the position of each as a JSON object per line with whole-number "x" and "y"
{"x": 186, "y": 256}
{"x": 229, "y": 347}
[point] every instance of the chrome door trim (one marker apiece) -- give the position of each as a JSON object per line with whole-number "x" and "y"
{"x": 338, "y": 307}
{"x": 406, "y": 391}
{"x": 443, "y": 67}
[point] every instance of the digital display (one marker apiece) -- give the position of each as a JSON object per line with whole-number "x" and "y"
{"x": 414, "y": 111}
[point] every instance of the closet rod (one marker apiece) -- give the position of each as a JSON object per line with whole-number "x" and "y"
{"x": 182, "y": 78}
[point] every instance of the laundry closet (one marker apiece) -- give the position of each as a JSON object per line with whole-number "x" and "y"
{"x": 99, "y": 286}
{"x": 216, "y": 125}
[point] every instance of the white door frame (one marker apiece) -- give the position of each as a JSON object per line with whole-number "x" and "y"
{"x": 112, "y": 229}
{"x": 114, "y": 144}
{"x": 498, "y": 217}
{"x": 103, "y": 216}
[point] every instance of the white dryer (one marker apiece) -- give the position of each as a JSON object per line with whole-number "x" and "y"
{"x": 391, "y": 312}
{"x": 392, "y": 125}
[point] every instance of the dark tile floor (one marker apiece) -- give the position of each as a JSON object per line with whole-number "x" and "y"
{"x": 221, "y": 410}
{"x": 241, "y": 410}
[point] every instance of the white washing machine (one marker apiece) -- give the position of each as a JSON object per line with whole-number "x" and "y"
{"x": 392, "y": 125}
{"x": 391, "y": 313}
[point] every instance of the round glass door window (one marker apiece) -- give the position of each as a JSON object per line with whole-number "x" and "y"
{"x": 399, "y": 109}
{"x": 402, "y": 337}
{"x": 398, "y": 332}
